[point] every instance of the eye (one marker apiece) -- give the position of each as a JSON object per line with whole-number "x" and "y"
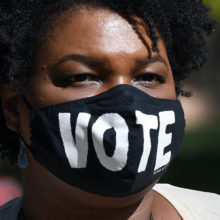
{"x": 82, "y": 78}
{"x": 150, "y": 77}
{"x": 78, "y": 80}
{"x": 148, "y": 80}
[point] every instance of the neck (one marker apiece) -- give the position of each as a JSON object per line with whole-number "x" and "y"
{"x": 52, "y": 198}
{"x": 40, "y": 209}
{"x": 47, "y": 209}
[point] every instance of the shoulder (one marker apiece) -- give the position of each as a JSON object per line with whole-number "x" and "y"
{"x": 191, "y": 204}
{"x": 11, "y": 209}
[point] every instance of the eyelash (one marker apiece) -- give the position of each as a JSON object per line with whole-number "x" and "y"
{"x": 80, "y": 79}
{"x": 150, "y": 77}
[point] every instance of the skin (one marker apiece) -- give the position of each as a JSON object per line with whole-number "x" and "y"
{"x": 116, "y": 50}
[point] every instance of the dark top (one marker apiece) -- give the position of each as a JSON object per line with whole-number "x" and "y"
{"x": 12, "y": 210}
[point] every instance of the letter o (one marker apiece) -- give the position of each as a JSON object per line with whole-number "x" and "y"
{"x": 108, "y": 121}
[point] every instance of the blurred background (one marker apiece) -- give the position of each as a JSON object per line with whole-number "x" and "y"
{"x": 198, "y": 164}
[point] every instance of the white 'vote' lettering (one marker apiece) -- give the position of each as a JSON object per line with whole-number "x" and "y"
{"x": 164, "y": 139}
{"x": 148, "y": 122}
{"x": 107, "y": 121}
{"x": 77, "y": 151}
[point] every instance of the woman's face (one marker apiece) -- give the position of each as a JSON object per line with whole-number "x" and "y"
{"x": 88, "y": 53}
{"x": 91, "y": 52}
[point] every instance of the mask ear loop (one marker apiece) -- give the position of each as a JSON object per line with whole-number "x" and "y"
{"x": 24, "y": 143}
{"x": 27, "y": 102}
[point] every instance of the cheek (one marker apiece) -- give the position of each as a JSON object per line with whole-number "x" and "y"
{"x": 164, "y": 92}
{"x": 169, "y": 91}
{"x": 41, "y": 91}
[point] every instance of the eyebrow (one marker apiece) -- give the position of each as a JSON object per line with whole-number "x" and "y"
{"x": 140, "y": 63}
{"x": 89, "y": 61}
{"x": 94, "y": 62}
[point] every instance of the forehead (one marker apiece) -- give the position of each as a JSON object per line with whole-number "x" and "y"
{"x": 98, "y": 32}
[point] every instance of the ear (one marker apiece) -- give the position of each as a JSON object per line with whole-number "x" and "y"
{"x": 9, "y": 101}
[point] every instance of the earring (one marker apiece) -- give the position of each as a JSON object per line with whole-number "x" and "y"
{"x": 22, "y": 158}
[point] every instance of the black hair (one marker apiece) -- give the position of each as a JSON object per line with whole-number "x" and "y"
{"x": 24, "y": 25}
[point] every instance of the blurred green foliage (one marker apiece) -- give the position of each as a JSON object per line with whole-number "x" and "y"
{"x": 215, "y": 5}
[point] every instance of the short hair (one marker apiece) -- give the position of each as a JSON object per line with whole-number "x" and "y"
{"x": 182, "y": 24}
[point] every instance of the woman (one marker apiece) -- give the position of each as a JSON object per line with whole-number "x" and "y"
{"x": 89, "y": 106}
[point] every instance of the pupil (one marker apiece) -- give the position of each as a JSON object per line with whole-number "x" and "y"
{"x": 81, "y": 78}
{"x": 150, "y": 77}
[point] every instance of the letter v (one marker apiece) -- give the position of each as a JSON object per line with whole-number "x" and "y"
{"x": 76, "y": 151}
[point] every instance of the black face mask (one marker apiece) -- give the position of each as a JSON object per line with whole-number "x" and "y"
{"x": 113, "y": 144}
